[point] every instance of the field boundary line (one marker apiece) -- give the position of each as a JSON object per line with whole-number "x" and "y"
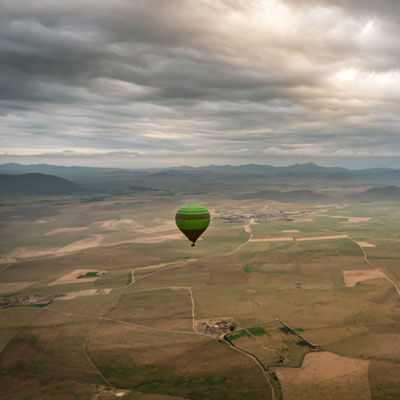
{"x": 311, "y": 238}
{"x": 254, "y": 358}
{"x": 375, "y": 267}
{"x": 156, "y": 266}
{"x": 193, "y": 318}
{"x": 249, "y": 231}
{"x": 85, "y": 344}
{"x": 138, "y": 325}
{"x": 8, "y": 265}
{"x": 261, "y": 323}
{"x": 264, "y": 347}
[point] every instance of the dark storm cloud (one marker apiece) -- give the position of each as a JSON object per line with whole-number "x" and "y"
{"x": 233, "y": 79}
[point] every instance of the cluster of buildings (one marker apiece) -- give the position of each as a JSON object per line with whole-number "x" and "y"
{"x": 220, "y": 326}
{"x": 31, "y": 300}
{"x": 255, "y": 215}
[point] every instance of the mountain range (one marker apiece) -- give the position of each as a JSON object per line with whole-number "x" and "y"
{"x": 300, "y": 182}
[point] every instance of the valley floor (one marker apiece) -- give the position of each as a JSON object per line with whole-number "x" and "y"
{"x": 312, "y": 296}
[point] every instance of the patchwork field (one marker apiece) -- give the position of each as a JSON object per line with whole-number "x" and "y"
{"x": 273, "y": 343}
{"x": 326, "y": 375}
{"x": 77, "y": 276}
{"x": 353, "y": 277}
{"x": 313, "y": 297}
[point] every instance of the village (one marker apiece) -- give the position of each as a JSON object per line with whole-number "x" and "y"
{"x": 216, "y": 326}
{"x": 31, "y": 300}
{"x": 255, "y": 215}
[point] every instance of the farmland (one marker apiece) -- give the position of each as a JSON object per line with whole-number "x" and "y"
{"x": 306, "y": 287}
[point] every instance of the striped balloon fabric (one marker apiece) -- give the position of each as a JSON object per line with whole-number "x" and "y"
{"x": 192, "y": 220}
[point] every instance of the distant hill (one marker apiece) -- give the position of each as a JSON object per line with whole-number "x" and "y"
{"x": 92, "y": 178}
{"x": 286, "y": 197}
{"x": 248, "y": 179}
{"x": 36, "y": 184}
{"x": 387, "y": 193}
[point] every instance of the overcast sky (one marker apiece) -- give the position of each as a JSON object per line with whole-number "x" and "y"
{"x": 193, "y": 82}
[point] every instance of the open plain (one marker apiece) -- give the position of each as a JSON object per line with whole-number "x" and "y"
{"x": 313, "y": 301}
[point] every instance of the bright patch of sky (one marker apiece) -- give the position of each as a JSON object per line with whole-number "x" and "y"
{"x": 137, "y": 83}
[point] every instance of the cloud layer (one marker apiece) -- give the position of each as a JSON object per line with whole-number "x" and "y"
{"x": 155, "y": 82}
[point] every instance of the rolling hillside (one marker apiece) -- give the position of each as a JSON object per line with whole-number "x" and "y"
{"x": 36, "y": 184}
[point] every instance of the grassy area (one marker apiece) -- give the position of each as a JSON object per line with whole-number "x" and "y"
{"x": 161, "y": 309}
{"x": 215, "y": 372}
{"x": 247, "y": 269}
{"x": 90, "y": 274}
{"x": 258, "y": 331}
{"x": 273, "y": 378}
{"x": 242, "y": 333}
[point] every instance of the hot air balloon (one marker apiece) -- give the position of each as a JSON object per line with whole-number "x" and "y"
{"x": 192, "y": 220}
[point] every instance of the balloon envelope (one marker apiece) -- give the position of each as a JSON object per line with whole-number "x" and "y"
{"x": 192, "y": 220}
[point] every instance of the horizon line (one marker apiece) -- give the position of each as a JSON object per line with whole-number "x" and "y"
{"x": 310, "y": 163}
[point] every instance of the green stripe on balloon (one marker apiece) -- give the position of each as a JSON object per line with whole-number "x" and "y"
{"x": 192, "y": 220}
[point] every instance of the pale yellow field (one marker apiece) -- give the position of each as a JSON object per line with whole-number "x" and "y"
{"x": 66, "y": 230}
{"x": 79, "y": 245}
{"x": 72, "y": 277}
{"x": 358, "y": 219}
{"x": 365, "y": 244}
{"x": 161, "y": 228}
{"x": 113, "y": 223}
{"x": 282, "y": 239}
{"x": 351, "y": 219}
{"x": 321, "y": 238}
{"x": 90, "y": 292}
{"x": 326, "y": 376}
{"x": 26, "y": 252}
{"x": 352, "y": 277}
{"x": 156, "y": 239}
